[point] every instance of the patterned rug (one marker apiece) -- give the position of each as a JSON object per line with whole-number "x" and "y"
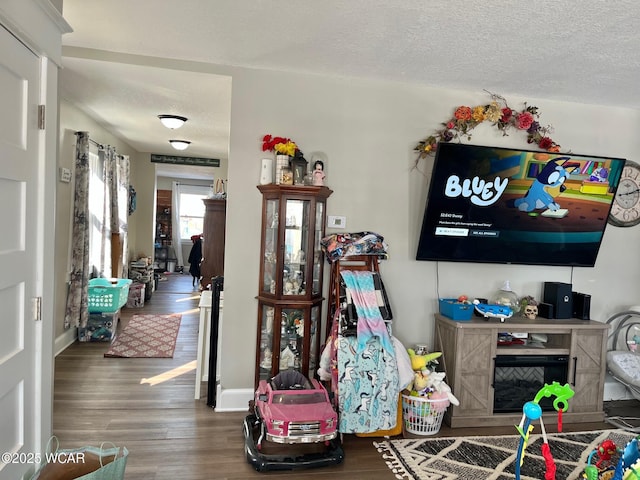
{"x": 493, "y": 458}
{"x": 147, "y": 336}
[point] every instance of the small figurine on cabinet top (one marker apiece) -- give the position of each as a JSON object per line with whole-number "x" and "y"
{"x": 318, "y": 173}
{"x": 287, "y": 176}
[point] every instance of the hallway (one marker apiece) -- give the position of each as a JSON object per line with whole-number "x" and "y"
{"x": 146, "y": 405}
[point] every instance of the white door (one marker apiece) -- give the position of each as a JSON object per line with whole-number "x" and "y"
{"x": 19, "y": 168}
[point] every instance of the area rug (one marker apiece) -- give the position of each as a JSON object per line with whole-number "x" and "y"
{"x": 147, "y": 336}
{"x": 493, "y": 458}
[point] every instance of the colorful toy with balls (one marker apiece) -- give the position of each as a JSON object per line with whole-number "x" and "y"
{"x": 532, "y": 411}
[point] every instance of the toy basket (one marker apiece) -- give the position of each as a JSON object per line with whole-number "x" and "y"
{"x": 422, "y": 415}
{"x": 108, "y": 295}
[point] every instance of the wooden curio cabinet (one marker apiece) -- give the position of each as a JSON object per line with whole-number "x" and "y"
{"x": 290, "y": 287}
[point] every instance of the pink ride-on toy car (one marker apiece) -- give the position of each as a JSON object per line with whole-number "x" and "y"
{"x": 291, "y": 409}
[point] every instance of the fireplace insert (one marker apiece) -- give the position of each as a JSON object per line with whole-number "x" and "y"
{"x": 518, "y": 378}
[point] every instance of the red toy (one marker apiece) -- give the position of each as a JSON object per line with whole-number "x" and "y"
{"x": 604, "y": 452}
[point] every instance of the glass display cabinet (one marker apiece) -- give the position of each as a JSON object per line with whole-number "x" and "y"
{"x": 290, "y": 287}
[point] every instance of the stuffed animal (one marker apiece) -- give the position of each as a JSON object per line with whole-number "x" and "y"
{"x": 420, "y": 385}
{"x": 436, "y": 380}
{"x": 440, "y": 406}
{"x": 420, "y": 362}
{"x": 429, "y": 383}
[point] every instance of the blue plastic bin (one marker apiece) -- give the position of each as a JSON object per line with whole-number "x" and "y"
{"x": 449, "y": 307}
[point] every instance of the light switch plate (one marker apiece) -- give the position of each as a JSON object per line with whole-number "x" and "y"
{"x": 65, "y": 175}
{"x": 335, "y": 221}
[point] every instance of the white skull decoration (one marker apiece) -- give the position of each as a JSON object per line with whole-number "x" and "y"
{"x": 531, "y": 311}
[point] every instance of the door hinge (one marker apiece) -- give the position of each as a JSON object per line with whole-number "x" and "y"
{"x": 40, "y": 117}
{"x": 37, "y": 308}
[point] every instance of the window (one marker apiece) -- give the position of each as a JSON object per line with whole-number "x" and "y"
{"x": 192, "y": 211}
{"x": 99, "y": 205}
{"x": 107, "y": 204}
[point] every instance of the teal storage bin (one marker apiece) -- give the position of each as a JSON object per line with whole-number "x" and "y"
{"x": 449, "y": 307}
{"x": 108, "y": 295}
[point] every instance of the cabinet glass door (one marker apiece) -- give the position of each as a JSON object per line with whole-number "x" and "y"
{"x": 266, "y": 342}
{"x": 317, "y": 250}
{"x": 291, "y": 339}
{"x": 270, "y": 244}
{"x": 295, "y": 247}
{"x": 313, "y": 343}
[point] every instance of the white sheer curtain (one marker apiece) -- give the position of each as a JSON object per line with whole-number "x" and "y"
{"x": 175, "y": 221}
{"x": 108, "y": 211}
{"x": 99, "y": 215}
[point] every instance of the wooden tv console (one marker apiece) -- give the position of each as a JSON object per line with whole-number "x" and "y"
{"x": 469, "y": 352}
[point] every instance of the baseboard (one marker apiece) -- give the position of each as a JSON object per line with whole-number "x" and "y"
{"x": 614, "y": 390}
{"x": 64, "y": 340}
{"x": 233, "y": 399}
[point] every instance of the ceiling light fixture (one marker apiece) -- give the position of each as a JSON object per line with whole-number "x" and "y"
{"x": 172, "y": 121}
{"x": 180, "y": 144}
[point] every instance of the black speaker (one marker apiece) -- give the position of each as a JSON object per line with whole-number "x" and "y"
{"x": 581, "y": 305}
{"x": 545, "y": 310}
{"x": 559, "y": 295}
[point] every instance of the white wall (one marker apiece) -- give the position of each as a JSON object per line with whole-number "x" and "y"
{"x": 368, "y": 130}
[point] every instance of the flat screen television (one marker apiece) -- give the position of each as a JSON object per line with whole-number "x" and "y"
{"x": 501, "y": 205}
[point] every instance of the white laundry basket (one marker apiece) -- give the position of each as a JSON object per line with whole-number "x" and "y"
{"x": 422, "y": 415}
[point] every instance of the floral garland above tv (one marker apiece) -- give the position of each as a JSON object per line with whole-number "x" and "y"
{"x": 498, "y": 112}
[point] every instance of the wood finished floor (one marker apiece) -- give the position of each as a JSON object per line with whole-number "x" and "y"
{"x": 147, "y": 405}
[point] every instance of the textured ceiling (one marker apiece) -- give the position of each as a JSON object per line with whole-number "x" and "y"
{"x": 585, "y": 52}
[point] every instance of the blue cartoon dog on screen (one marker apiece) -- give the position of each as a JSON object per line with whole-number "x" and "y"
{"x": 553, "y": 175}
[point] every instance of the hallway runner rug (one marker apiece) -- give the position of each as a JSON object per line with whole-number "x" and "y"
{"x": 493, "y": 458}
{"x": 147, "y": 336}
